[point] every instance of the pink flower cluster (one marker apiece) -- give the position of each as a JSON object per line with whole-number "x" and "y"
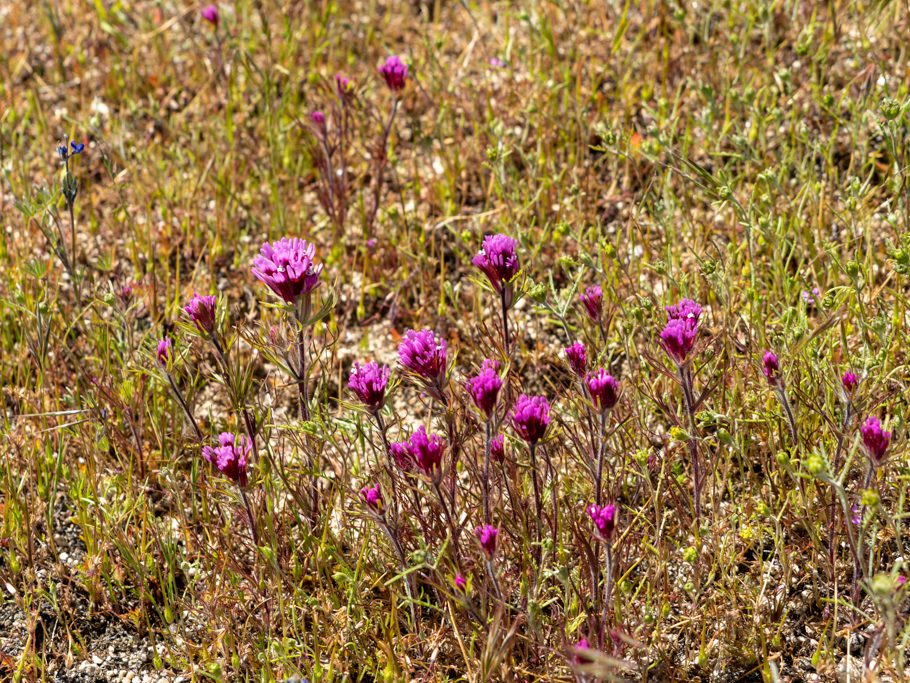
{"x": 230, "y": 457}
{"x": 423, "y": 451}
{"x": 679, "y": 334}
{"x": 484, "y": 387}
{"x": 604, "y": 518}
{"x": 368, "y": 382}
{"x": 531, "y": 417}
{"x": 288, "y": 268}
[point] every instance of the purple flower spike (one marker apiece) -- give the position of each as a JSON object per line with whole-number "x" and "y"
{"x": 498, "y": 260}
{"x": 686, "y": 309}
{"x": 771, "y": 368}
{"x": 604, "y": 519}
{"x": 497, "y": 448}
{"x": 201, "y": 310}
{"x": 678, "y": 338}
{"x": 368, "y": 382}
{"x": 593, "y": 300}
{"x": 426, "y": 450}
{"x": 578, "y": 358}
{"x": 318, "y": 119}
{"x": 288, "y": 268}
{"x": 604, "y": 389}
{"x": 849, "y": 381}
{"x": 424, "y": 354}
{"x": 372, "y": 498}
{"x": 875, "y": 439}
{"x": 484, "y": 388}
{"x": 461, "y": 583}
{"x": 395, "y": 73}
{"x": 401, "y": 454}
{"x": 531, "y": 417}
{"x": 165, "y": 351}
{"x": 210, "y": 13}
{"x": 487, "y": 534}
{"x": 230, "y": 457}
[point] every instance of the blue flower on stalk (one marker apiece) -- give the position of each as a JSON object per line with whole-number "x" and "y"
{"x": 77, "y": 148}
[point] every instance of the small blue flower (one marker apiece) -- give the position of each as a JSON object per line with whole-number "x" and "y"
{"x": 77, "y": 147}
{"x": 63, "y": 152}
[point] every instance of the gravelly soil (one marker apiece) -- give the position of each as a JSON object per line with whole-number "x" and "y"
{"x": 98, "y": 647}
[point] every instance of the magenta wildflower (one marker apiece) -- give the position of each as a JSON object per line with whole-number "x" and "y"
{"x": 461, "y": 583}
{"x": 875, "y": 439}
{"x": 210, "y": 13}
{"x": 487, "y": 534}
{"x": 372, "y": 497}
{"x": 604, "y": 519}
{"x": 686, "y": 309}
{"x": 426, "y": 450}
{"x": 849, "y": 381}
{"x": 401, "y": 454}
{"x": 424, "y": 354}
{"x": 484, "y": 387}
{"x": 318, "y": 119}
{"x": 811, "y": 297}
{"x": 593, "y": 299}
{"x": 579, "y": 648}
{"x": 531, "y": 417}
{"x": 125, "y": 293}
{"x": 201, "y": 310}
{"x": 288, "y": 268}
{"x": 499, "y": 261}
{"x": 604, "y": 389}
{"x": 368, "y": 382}
{"x": 165, "y": 351}
{"x": 230, "y": 456}
{"x": 343, "y": 87}
{"x": 578, "y": 358}
{"x": 497, "y": 448}
{"x": 771, "y": 368}
{"x": 678, "y": 338}
{"x": 901, "y": 580}
{"x": 395, "y": 73}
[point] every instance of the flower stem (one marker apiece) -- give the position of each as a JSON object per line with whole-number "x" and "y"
{"x": 388, "y": 463}
{"x": 833, "y": 521}
{"x": 486, "y": 472}
{"x": 505, "y": 317}
{"x": 598, "y": 484}
{"x": 791, "y": 420}
{"x": 608, "y": 581}
{"x": 491, "y": 570}
{"x": 537, "y": 504}
{"x": 249, "y": 514}
{"x": 685, "y": 376}
{"x": 301, "y": 358}
{"x": 183, "y": 404}
{"x": 448, "y": 513}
